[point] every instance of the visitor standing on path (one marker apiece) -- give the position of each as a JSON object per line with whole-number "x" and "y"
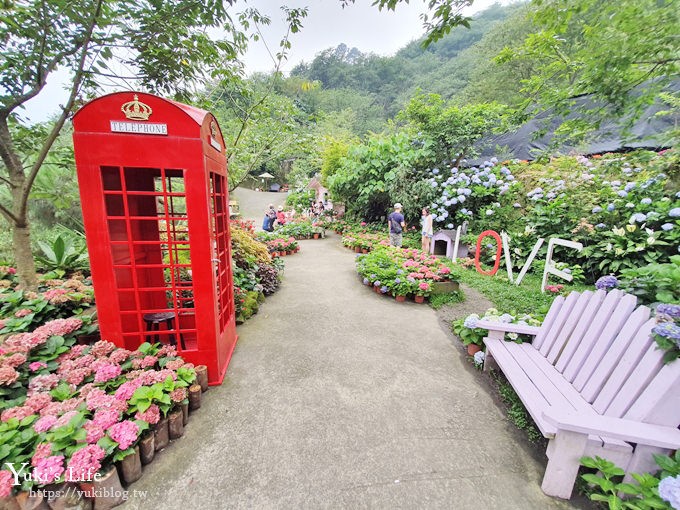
{"x": 396, "y": 225}
{"x": 426, "y": 230}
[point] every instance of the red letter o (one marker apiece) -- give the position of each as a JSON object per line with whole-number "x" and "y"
{"x": 499, "y": 247}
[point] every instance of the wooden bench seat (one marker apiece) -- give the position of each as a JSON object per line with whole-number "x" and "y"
{"x": 592, "y": 364}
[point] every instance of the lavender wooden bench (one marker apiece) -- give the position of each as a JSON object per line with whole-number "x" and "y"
{"x": 594, "y": 383}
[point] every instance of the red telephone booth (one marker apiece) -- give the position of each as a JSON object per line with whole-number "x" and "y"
{"x": 153, "y": 185}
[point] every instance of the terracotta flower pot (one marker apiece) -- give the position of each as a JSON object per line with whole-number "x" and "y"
{"x": 110, "y": 490}
{"x": 147, "y": 448}
{"x": 316, "y": 236}
{"x": 357, "y": 250}
{"x": 275, "y": 254}
{"x": 420, "y": 299}
{"x": 131, "y": 467}
{"x": 400, "y": 299}
{"x": 161, "y": 434}
{"x": 472, "y": 349}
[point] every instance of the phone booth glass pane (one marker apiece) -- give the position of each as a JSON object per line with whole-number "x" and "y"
{"x": 148, "y": 227}
{"x": 220, "y": 226}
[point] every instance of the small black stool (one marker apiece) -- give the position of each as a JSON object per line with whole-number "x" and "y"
{"x": 153, "y": 322}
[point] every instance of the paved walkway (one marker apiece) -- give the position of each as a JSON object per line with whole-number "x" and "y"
{"x": 339, "y": 398}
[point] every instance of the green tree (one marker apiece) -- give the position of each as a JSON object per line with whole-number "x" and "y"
{"x": 607, "y": 49}
{"x": 167, "y": 45}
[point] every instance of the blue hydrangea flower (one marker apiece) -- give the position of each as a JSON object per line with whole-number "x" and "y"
{"x": 435, "y": 171}
{"x": 668, "y": 330}
{"x": 611, "y": 207}
{"x": 646, "y": 201}
{"x": 669, "y": 490}
{"x": 607, "y": 282}
{"x": 461, "y": 198}
{"x": 400, "y": 271}
{"x": 516, "y": 205}
{"x": 674, "y": 213}
{"x": 601, "y": 225}
{"x": 667, "y": 226}
{"x": 449, "y": 225}
{"x": 629, "y": 187}
{"x": 637, "y": 218}
{"x": 672, "y": 311}
{"x": 376, "y": 283}
{"x": 471, "y": 321}
{"x": 478, "y": 358}
{"x": 489, "y": 212}
{"x": 506, "y": 317}
{"x": 373, "y": 277}
{"x": 622, "y": 193}
{"x": 365, "y": 281}
{"x": 597, "y": 210}
{"x": 384, "y": 289}
{"x": 630, "y": 205}
{"x": 677, "y": 195}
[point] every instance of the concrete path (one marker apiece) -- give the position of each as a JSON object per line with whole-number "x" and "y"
{"x": 339, "y": 398}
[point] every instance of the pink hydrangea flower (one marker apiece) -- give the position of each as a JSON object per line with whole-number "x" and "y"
{"x": 127, "y": 389}
{"x": 98, "y": 398}
{"x": 23, "y": 312}
{"x": 152, "y": 415}
{"x": 37, "y": 365}
{"x": 102, "y": 348}
{"x": 42, "y": 451}
{"x": 94, "y": 432}
{"x": 175, "y": 364}
{"x": 7, "y": 375}
{"x": 6, "y": 483}
{"x": 19, "y": 412}
{"x": 64, "y": 419}
{"x": 166, "y": 350}
{"x": 44, "y": 424}
{"x": 119, "y": 356}
{"x": 49, "y": 469}
{"x": 54, "y": 295}
{"x": 423, "y": 286}
{"x": 44, "y": 382}
{"x": 107, "y": 372}
{"x": 178, "y": 395}
{"x": 76, "y": 376}
{"x": 105, "y": 417}
{"x": 38, "y": 401}
{"x": 124, "y": 433}
{"x": 85, "y": 463}
{"x": 60, "y": 327}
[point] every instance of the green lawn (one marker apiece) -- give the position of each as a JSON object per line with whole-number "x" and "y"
{"x": 508, "y": 297}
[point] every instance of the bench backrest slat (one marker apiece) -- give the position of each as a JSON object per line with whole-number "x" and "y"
{"x": 581, "y": 328}
{"x": 626, "y": 366}
{"x": 630, "y": 332}
{"x": 659, "y": 403}
{"x": 641, "y": 377}
{"x": 547, "y": 322}
{"x": 615, "y": 322}
{"x": 554, "y": 333}
{"x": 598, "y": 325}
{"x": 570, "y": 325}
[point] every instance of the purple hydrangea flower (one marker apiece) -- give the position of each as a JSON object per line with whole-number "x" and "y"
{"x": 471, "y": 321}
{"x": 669, "y": 310}
{"x": 667, "y": 226}
{"x": 376, "y": 283}
{"x": 365, "y": 281}
{"x": 611, "y": 207}
{"x": 383, "y": 289}
{"x": 674, "y": 213}
{"x": 646, "y": 201}
{"x": 607, "y": 282}
{"x": 597, "y": 210}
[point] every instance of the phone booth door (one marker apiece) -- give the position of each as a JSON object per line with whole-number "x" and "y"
{"x": 221, "y": 259}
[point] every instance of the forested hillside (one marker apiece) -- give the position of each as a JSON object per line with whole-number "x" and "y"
{"x": 447, "y": 67}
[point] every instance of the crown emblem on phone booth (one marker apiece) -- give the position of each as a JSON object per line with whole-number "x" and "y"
{"x": 136, "y": 110}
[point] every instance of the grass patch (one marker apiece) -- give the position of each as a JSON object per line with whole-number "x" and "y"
{"x": 517, "y": 413}
{"x": 438, "y": 300}
{"x": 508, "y": 297}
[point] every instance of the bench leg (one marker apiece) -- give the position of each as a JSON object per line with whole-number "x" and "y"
{"x": 563, "y": 465}
{"x": 489, "y": 362}
{"x": 643, "y": 461}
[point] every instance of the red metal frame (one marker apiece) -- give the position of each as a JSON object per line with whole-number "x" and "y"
{"x": 156, "y": 215}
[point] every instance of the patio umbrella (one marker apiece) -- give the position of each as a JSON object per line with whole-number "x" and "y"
{"x": 266, "y": 175}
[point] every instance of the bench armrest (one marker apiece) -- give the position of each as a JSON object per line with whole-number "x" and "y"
{"x": 508, "y": 328}
{"x": 618, "y": 428}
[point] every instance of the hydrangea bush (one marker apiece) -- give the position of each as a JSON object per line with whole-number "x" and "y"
{"x": 67, "y": 410}
{"x": 404, "y": 271}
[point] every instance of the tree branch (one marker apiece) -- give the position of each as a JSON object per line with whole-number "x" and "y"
{"x": 56, "y": 129}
